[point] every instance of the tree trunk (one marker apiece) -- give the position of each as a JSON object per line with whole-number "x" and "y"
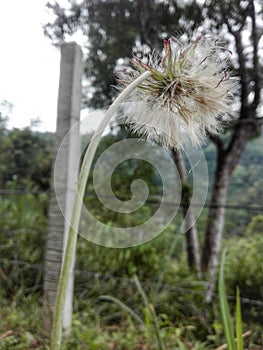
{"x": 148, "y": 29}
{"x": 191, "y": 236}
{"x": 229, "y": 155}
{"x": 148, "y": 23}
{"x": 215, "y": 224}
{"x": 227, "y": 161}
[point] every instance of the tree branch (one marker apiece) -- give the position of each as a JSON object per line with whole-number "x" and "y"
{"x": 217, "y": 141}
{"x": 255, "y": 39}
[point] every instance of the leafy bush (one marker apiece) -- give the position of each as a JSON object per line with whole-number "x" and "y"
{"x": 244, "y": 266}
{"x": 22, "y": 236}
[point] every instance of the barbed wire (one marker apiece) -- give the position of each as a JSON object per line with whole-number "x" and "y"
{"x": 163, "y": 286}
{"x": 23, "y": 191}
{"x": 160, "y": 286}
{"x": 248, "y": 207}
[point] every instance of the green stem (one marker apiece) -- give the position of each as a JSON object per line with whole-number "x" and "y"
{"x": 56, "y": 335}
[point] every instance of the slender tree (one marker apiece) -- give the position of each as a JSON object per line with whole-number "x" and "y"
{"x": 239, "y": 18}
{"x": 149, "y": 30}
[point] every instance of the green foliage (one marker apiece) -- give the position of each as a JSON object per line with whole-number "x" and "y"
{"x": 255, "y": 227}
{"x": 234, "y": 335}
{"x": 239, "y": 325}
{"x": 162, "y": 261}
{"x": 158, "y": 333}
{"x": 184, "y": 318}
{"x": 151, "y": 260}
{"x": 20, "y": 326}
{"x": 22, "y": 237}
{"x": 121, "y": 180}
{"x": 123, "y": 332}
{"x": 225, "y": 312}
{"x": 151, "y": 317}
{"x": 25, "y": 159}
{"x": 245, "y": 189}
{"x": 245, "y": 270}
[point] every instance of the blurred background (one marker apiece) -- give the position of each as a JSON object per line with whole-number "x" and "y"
{"x": 109, "y": 305}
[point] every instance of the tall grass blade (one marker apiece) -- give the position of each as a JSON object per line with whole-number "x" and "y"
{"x": 224, "y": 307}
{"x": 151, "y": 312}
{"x": 122, "y": 306}
{"x": 239, "y": 330}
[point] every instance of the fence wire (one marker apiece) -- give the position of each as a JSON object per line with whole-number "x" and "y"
{"x": 248, "y": 207}
{"x": 104, "y": 278}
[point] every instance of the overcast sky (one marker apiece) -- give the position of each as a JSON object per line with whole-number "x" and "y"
{"x": 29, "y": 64}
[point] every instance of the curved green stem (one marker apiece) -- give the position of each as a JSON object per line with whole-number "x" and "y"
{"x": 56, "y": 335}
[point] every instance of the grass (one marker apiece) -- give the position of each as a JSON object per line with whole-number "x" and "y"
{"x": 233, "y": 332}
{"x": 20, "y": 328}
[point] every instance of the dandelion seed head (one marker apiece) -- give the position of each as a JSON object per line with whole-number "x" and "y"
{"x": 188, "y": 94}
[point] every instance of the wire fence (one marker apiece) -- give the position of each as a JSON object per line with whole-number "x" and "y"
{"x": 104, "y": 278}
{"x": 248, "y": 207}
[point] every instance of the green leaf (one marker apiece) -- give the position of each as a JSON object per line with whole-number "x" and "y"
{"x": 224, "y": 307}
{"x": 239, "y": 330}
{"x": 152, "y": 315}
{"x": 123, "y": 306}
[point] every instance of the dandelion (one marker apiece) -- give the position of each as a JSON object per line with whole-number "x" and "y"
{"x": 184, "y": 93}
{"x": 187, "y": 96}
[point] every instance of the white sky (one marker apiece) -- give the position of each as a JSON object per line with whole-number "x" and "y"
{"x": 29, "y": 64}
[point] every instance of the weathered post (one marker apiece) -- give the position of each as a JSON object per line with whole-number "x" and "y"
{"x": 68, "y": 114}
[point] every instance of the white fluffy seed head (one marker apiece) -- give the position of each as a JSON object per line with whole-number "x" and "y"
{"x": 188, "y": 94}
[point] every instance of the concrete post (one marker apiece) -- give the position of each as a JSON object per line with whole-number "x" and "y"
{"x": 68, "y": 114}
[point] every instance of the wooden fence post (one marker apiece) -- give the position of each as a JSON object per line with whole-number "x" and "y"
{"x": 68, "y": 114}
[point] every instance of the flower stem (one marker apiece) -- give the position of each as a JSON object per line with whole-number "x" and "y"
{"x": 56, "y": 334}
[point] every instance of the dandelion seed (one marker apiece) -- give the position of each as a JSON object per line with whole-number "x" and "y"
{"x": 187, "y": 95}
